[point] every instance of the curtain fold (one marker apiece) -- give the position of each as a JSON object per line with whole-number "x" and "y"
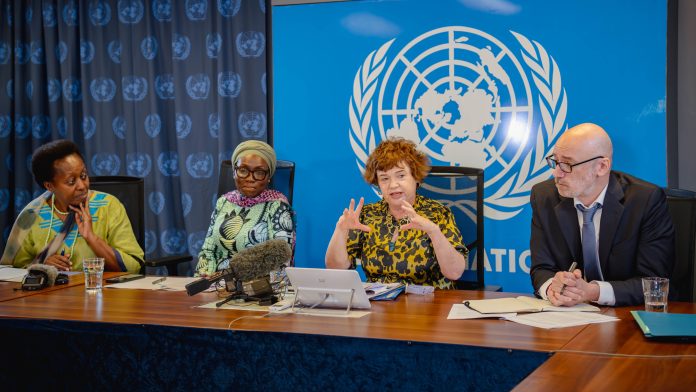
{"x": 159, "y": 89}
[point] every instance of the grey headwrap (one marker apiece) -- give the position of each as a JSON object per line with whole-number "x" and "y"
{"x": 256, "y": 147}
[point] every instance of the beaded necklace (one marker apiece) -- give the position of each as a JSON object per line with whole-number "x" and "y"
{"x": 50, "y": 225}
{"x": 53, "y": 206}
{"x": 395, "y": 226}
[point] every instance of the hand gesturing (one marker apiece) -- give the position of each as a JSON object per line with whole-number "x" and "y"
{"x": 83, "y": 219}
{"x": 417, "y": 221}
{"x": 350, "y": 220}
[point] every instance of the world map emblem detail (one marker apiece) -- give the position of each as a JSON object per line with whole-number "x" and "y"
{"x": 468, "y": 99}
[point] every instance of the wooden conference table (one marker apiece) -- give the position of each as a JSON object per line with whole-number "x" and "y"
{"x": 402, "y": 344}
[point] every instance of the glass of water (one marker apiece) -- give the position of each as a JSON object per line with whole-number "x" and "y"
{"x": 655, "y": 291}
{"x": 94, "y": 272}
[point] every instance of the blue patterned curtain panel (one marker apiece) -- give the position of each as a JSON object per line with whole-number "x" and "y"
{"x": 158, "y": 89}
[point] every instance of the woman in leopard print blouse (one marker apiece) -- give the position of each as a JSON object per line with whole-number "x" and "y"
{"x": 404, "y": 237}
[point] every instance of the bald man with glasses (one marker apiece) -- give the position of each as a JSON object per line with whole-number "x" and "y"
{"x": 615, "y": 226}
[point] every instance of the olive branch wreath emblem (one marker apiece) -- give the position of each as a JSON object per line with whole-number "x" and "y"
{"x": 510, "y": 198}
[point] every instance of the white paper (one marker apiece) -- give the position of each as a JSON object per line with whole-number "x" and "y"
{"x": 548, "y": 320}
{"x": 463, "y": 312}
{"x": 548, "y": 307}
{"x": 375, "y": 289}
{"x": 11, "y": 274}
{"x": 171, "y": 283}
{"x": 419, "y": 290}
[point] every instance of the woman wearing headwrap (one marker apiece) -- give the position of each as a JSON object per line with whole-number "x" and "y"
{"x": 249, "y": 215}
{"x": 70, "y": 222}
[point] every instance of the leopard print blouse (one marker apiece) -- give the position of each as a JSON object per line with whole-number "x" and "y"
{"x": 412, "y": 259}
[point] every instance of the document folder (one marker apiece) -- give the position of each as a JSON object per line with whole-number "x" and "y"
{"x": 678, "y": 327}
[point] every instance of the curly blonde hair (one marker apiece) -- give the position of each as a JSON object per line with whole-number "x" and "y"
{"x": 390, "y": 153}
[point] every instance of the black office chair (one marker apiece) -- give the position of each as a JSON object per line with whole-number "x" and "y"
{"x": 682, "y": 208}
{"x": 130, "y": 191}
{"x": 461, "y": 189}
{"x": 283, "y": 179}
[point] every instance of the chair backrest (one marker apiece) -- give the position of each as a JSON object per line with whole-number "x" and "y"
{"x": 130, "y": 192}
{"x": 682, "y": 208}
{"x": 283, "y": 179}
{"x": 461, "y": 189}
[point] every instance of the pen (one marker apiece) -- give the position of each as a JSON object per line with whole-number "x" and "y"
{"x": 62, "y": 252}
{"x": 160, "y": 280}
{"x": 571, "y": 269}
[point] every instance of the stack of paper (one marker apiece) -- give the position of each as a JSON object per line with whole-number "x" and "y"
{"x": 548, "y": 320}
{"x": 539, "y": 313}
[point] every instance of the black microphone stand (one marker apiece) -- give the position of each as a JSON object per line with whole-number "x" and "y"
{"x": 238, "y": 293}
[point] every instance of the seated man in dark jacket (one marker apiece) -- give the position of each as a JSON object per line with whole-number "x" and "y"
{"x": 615, "y": 226}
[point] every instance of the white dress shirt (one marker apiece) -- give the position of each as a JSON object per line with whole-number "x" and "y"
{"x": 606, "y": 292}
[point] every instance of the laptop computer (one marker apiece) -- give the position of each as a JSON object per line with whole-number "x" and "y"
{"x": 328, "y": 288}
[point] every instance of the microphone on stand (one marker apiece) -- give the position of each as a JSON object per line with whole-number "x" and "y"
{"x": 248, "y": 264}
{"x": 203, "y": 284}
{"x": 260, "y": 260}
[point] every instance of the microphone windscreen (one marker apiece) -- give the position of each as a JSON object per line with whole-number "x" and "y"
{"x": 50, "y": 271}
{"x": 259, "y": 260}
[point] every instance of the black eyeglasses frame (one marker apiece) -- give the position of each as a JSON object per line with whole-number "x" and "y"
{"x": 552, "y": 163}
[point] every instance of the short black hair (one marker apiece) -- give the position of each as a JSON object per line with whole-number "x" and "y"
{"x": 43, "y": 158}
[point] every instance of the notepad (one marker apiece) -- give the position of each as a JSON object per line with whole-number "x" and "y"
{"x": 524, "y": 305}
{"x": 666, "y": 326}
{"x": 462, "y": 312}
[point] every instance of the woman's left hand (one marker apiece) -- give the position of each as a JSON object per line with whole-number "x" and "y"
{"x": 416, "y": 221}
{"x": 83, "y": 219}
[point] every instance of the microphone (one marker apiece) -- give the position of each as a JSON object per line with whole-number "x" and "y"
{"x": 203, "y": 284}
{"x": 39, "y": 276}
{"x": 260, "y": 260}
{"x": 248, "y": 264}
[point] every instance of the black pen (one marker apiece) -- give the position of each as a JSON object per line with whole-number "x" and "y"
{"x": 571, "y": 269}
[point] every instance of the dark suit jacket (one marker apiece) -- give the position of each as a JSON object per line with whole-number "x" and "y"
{"x": 636, "y": 237}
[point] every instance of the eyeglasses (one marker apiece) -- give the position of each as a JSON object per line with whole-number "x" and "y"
{"x": 565, "y": 166}
{"x": 258, "y": 174}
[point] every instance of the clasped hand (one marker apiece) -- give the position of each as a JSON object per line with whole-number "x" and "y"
{"x": 569, "y": 289}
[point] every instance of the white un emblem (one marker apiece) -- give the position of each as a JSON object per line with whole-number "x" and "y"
{"x": 465, "y": 98}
